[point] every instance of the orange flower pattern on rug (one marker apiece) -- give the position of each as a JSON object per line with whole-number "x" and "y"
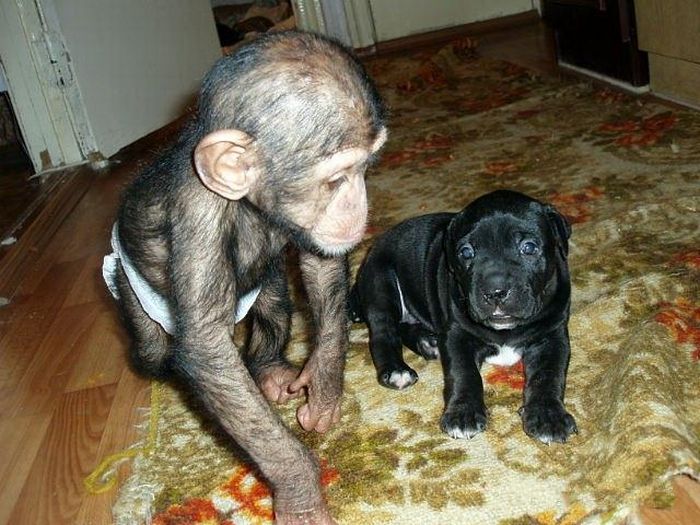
{"x": 623, "y": 169}
{"x": 193, "y": 512}
{"x": 511, "y": 376}
{"x": 576, "y": 206}
{"x": 640, "y": 132}
{"x": 611, "y": 96}
{"x": 689, "y": 258}
{"x": 500, "y": 167}
{"x": 682, "y": 319}
{"x": 250, "y": 493}
{"x": 497, "y": 98}
{"x": 251, "y": 497}
{"x": 429, "y": 151}
{"x": 430, "y": 75}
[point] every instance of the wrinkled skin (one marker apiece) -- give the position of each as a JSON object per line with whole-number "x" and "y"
{"x": 276, "y": 155}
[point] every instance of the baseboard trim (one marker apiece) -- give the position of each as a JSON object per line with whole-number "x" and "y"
{"x": 444, "y": 35}
{"x": 625, "y": 86}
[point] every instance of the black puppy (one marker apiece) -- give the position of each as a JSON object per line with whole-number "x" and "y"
{"x": 490, "y": 283}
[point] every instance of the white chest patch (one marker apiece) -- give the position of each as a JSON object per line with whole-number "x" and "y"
{"x": 506, "y": 356}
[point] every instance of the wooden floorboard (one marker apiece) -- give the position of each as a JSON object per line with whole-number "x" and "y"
{"x": 68, "y": 453}
{"x": 67, "y": 396}
{"x": 21, "y": 439}
{"x": 67, "y": 191}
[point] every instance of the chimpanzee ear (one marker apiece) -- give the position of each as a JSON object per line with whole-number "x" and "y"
{"x": 226, "y": 164}
{"x": 560, "y": 228}
{"x": 380, "y": 140}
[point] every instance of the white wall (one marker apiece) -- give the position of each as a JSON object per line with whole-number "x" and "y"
{"x": 137, "y": 62}
{"x": 399, "y": 18}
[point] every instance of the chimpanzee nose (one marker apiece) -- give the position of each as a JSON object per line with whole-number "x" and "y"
{"x": 496, "y": 296}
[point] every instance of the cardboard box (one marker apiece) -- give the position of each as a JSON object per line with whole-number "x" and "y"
{"x": 669, "y": 30}
{"x": 675, "y": 79}
{"x": 669, "y": 27}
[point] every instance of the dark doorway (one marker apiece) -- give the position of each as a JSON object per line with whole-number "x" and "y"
{"x": 18, "y": 190}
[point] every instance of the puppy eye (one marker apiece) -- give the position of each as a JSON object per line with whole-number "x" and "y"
{"x": 467, "y": 252}
{"x": 529, "y": 248}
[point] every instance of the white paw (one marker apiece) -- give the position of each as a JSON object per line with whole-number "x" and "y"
{"x": 460, "y": 433}
{"x": 427, "y": 350}
{"x": 401, "y": 379}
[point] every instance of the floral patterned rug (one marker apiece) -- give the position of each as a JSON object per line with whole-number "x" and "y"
{"x": 626, "y": 172}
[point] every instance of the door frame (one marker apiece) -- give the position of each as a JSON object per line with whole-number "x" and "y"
{"x": 44, "y": 94}
{"x": 349, "y": 21}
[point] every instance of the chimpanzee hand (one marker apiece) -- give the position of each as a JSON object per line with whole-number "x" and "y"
{"x": 324, "y": 388}
{"x": 274, "y": 382}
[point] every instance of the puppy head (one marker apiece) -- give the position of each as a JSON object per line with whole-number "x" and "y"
{"x": 504, "y": 250}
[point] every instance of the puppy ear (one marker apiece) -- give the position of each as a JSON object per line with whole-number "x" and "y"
{"x": 225, "y": 163}
{"x": 560, "y": 228}
{"x": 448, "y": 244}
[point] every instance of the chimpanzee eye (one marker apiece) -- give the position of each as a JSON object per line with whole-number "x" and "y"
{"x": 467, "y": 252}
{"x": 529, "y": 248}
{"x": 337, "y": 182}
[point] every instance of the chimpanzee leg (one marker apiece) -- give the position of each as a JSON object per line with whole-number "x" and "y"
{"x": 150, "y": 344}
{"x": 207, "y": 359}
{"x": 326, "y": 284}
{"x": 216, "y": 372}
{"x": 269, "y": 335}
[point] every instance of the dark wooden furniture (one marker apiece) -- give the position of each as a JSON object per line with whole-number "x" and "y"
{"x": 598, "y": 35}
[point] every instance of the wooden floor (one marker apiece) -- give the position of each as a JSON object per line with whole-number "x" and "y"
{"x": 67, "y": 398}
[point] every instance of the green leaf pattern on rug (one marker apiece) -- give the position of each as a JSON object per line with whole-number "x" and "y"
{"x": 625, "y": 171}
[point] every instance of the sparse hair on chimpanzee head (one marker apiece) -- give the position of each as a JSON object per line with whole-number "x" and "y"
{"x": 302, "y": 98}
{"x": 276, "y": 155}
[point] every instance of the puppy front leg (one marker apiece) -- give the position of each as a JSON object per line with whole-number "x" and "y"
{"x": 543, "y": 413}
{"x": 465, "y": 411}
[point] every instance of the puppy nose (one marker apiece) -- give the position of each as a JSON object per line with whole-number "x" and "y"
{"x": 496, "y": 296}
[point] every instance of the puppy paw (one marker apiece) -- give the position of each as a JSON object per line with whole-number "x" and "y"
{"x": 548, "y": 422}
{"x": 428, "y": 347}
{"x": 464, "y": 422}
{"x": 397, "y": 378}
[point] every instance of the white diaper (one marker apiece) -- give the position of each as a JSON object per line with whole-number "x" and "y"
{"x": 151, "y": 301}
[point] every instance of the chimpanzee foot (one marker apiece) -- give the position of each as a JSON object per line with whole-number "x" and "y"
{"x": 318, "y": 418}
{"x": 323, "y": 397}
{"x": 274, "y": 381}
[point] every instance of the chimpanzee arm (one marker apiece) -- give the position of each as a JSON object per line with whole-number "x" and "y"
{"x": 326, "y": 282}
{"x": 269, "y": 334}
{"x": 203, "y": 289}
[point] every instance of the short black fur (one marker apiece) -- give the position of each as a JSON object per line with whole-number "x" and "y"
{"x": 465, "y": 287}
